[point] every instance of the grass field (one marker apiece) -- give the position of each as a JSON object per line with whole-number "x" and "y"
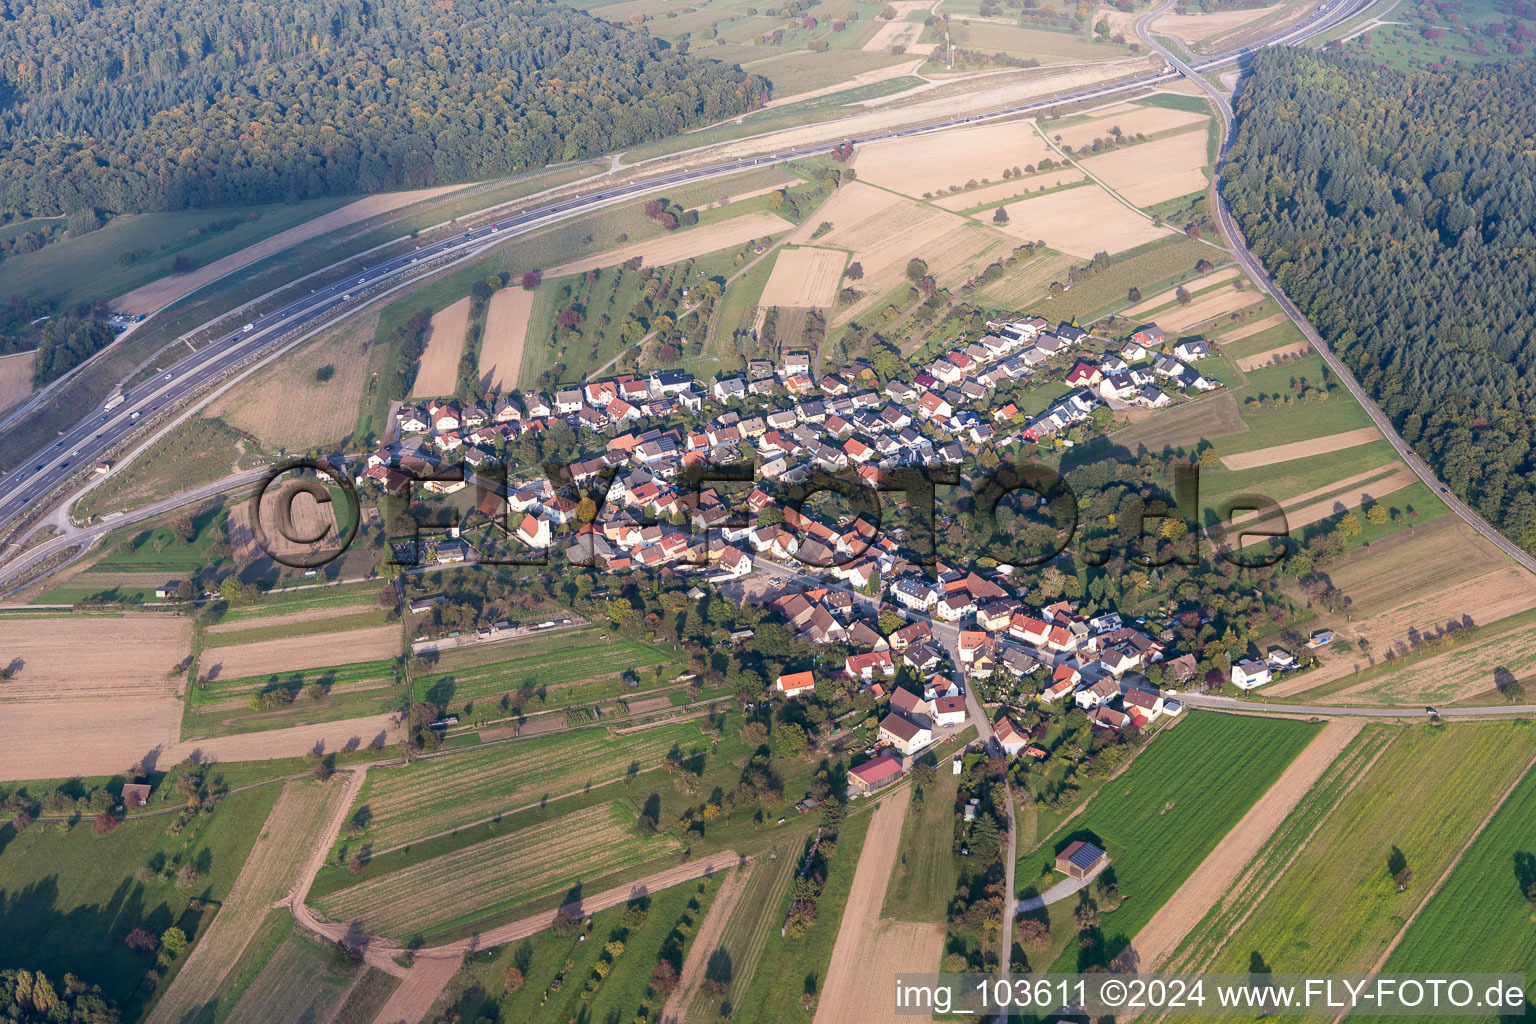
{"x": 758, "y": 915}
{"x": 221, "y": 707}
{"x": 1149, "y": 267}
{"x": 1337, "y": 907}
{"x": 87, "y": 268}
{"x": 492, "y": 876}
{"x": 408, "y": 804}
{"x": 290, "y": 975}
{"x": 69, "y": 896}
{"x": 670, "y": 921}
{"x": 199, "y": 451}
{"x": 927, "y": 870}
{"x": 1164, "y": 814}
{"x": 1481, "y": 919}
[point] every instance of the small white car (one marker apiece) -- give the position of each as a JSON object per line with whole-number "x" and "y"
{"x": 248, "y": 327}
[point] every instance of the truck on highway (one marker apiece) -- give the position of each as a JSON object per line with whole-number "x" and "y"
{"x": 115, "y": 401}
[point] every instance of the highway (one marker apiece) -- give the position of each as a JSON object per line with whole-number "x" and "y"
{"x": 1256, "y": 271}
{"x": 99, "y": 430}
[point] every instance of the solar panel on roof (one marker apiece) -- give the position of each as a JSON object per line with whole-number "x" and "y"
{"x": 1086, "y": 855}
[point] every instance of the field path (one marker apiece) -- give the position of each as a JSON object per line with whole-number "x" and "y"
{"x": 1215, "y": 876}
{"x": 434, "y": 967}
{"x": 861, "y": 918}
{"x": 705, "y": 944}
{"x": 273, "y": 869}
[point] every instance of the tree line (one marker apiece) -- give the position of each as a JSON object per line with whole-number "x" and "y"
{"x": 151, "y": 104}
{"x": 1399, "y": 211}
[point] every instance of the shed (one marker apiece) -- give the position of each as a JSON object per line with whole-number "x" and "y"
{"x": 1081, "y": 859}
{"x": 135, "y": 794}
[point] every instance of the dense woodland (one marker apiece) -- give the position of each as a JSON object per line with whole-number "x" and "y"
{"x": 150, "y": 104}
{"x": 1399, "y": 211}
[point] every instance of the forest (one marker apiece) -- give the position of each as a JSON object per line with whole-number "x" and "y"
{"x": 1398, "y": 210}
{"x": 135, "y": 105}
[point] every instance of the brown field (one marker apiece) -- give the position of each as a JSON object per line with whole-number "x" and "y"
{"x": 15, "y": 378}
{"x": 284, "y": 406}
{"x": 307, "y": 518}
{"x": 933, "y": 163}
{"x": 524, "y": 865}
{"x": 953, "y": 258}
{"x": 1194, "y": 28}
{"x": 1215, "y": 876}
{"x": 349, "y": 734}
{"x": 1259, "y": 359}
{"x": 1080, "y": 222}
{"x": 676, "y": 246}
{"x": 1182, "y": 425}
{"x": 1301, "y": 449}
{"x": 868, "y": 951}
{"x": 1463, "y": 673}
{"x": 1148, "y": 173}
{"x": 506, "y": 328}
{"x": 852, "y": 82}
{"x": 1248, "y": 330}
{"x": 705, "y": 943}
{"x": 439, "y": 371}
{"x": 90, "y": 694}
{"x": 273, "y": 868}
{"x": 894, "y": 33}
{"x": 1165, "y": 298}
{"x": 1210, "y": 306}
{"x": 152, "y": 296}
{"x": 1299, "y": 513}
{"x": 1008, "y": 189}
{"x": 1130, "y": 118}
{"x": 804, "y": 277}
{"x": 289, "y": 654}
{"x": 290, "y": 618}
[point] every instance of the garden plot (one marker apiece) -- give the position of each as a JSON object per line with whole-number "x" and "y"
{"x": 481, "y": 879}
{"x": 438, "y": 373}
{"x": 1081, "y": 221}
{"x": 804, "y": 277}
{"x": 933, "y": 163}
{"x": 1148, "y": 173}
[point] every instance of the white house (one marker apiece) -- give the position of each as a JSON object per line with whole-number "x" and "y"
{"x": 1250, "y": 674}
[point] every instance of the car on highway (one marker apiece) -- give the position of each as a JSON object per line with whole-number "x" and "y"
{"x": 134, "y": 416}
{"x": 248, "y": 327}
{"x": 169, "y": 376}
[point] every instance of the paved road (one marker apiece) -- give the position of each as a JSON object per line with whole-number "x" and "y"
{"x": 1058, "y": 892}
{"x": 1260, "y": 277}
{"x": 101, "y": 429}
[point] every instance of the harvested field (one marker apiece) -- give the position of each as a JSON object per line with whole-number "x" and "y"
{"x": 506, "y": 329}
{"x": 1211, "y": 306}
{"x": 1149, "y": 173}
{"x": 285, "y": 405}
{"x": 1301, "y": 449}
{"x": 289, "y": 618}
{"x": 1215, "y": 876}
{"x": 972, "y": 198}
{"x": 1165, "y": 298}
{"x": 868, "y": 951}
{"x": 880, "y": 228}
{"x": 15, "y": 378}
{"x": 804, "y": 277}
{"x": 1259, "y": 359}
{"x": 306, "y": 517}
{"x": 90, "y": 693}
{"x": 1130, "y": 118}
{"x": 163, "y": 292}
{"x": 348, "y": 734}
{"x": 1081, "y": 221}
{"x": 439, "y": 370}
{"x": 676, "y": 246}
{"x": 291, "y": 831}
{"x": 496, "y": 874}
{"x": 1182, "y": 425}
{"x": 1194, "y": 28}
{"x": 1248, "y": 330}
{"x": 265, "y": 657}
{"x": 894, "y": 33}
{"x": 706, "y": 943}
{"x": 917, "y": 165}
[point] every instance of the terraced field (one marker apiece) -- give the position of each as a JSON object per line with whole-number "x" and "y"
{"x": 408, "y": 804}
{"x": 492, "y": 876}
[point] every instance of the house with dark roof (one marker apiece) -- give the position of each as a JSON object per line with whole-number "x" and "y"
{"x": 1081, "y": 859}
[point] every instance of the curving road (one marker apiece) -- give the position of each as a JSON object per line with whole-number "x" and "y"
{"x": 1256, "y": 271}
{"x": 99, "y": 430}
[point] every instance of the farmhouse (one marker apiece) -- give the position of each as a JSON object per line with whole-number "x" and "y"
{"x": 1081, "y": 860}
{"x": 873, "y": 775}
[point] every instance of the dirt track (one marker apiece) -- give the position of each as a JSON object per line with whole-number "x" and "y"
{"x": 868, "y": 951}
{"x": 271, "y": 871}
{"x": 1209, "y": 883}
{"x": 705, "y": 944}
